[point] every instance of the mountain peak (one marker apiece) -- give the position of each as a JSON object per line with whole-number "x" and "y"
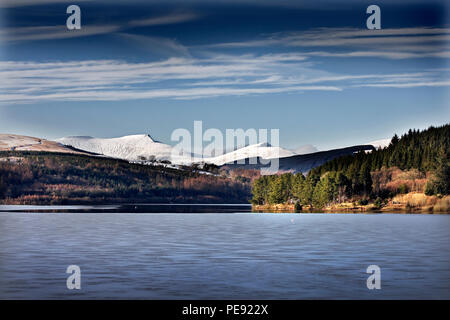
{"x": 263, "y": 144}
{"x": 135, "y": 137}
{"x": 150, "y": 137}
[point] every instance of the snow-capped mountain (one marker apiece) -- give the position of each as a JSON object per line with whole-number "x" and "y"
{"x": 305, "y": 149}
{"x": 380, "y": 144}
{"x": 304, "y": 162}
{"x": 263, "y": 150}
{"x": 131, "y": 148}
{"x": 143, "y": 147}
{"x": 15, "y": 142}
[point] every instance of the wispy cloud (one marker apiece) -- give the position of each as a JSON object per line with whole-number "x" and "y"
{"x": 344, "y": 36}
{"x": 36, "y": 33}
{"x": 186, "y": 78}
{"x": 53, "y": 32}
{"x": 166, "y": 19}
{"x": 23, "y": 3}
{"x": 400, "y": 43}
{"x": 407, "y": 84}
{"x": 117, "y": 80}
{"x": 381, "y": 54}
{"x": 162, "y": 46}
{"x": 185, "y": 94}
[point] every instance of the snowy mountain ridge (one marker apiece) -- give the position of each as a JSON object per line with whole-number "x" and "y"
{"x": 142, "y": 146}
{"x": 129, "y": 148}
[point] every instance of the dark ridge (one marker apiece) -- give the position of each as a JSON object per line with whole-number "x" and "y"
{"x": 300, "y": 163}
{"x": 82, "y": 151}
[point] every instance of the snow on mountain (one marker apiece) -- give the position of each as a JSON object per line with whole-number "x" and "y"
{"x": 263, "y": 150}
{"x": 11, "y": 141}
{"x": 15, "y": 142}
{"x": 304, "y": 162}
{"x": 305, "y": 149}
{"x": 380, "y": 144}
{"x": 131, "y": 148}
{"x": 143, "y": 147}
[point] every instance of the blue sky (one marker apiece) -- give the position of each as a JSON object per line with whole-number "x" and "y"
{"x": 309, "y": 68}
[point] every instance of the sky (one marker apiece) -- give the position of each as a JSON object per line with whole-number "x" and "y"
{"x": 311, "y": 69}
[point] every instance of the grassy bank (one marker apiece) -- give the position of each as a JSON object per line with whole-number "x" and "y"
{"x": 413, "y": 202}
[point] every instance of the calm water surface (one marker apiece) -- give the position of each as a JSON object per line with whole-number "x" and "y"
{"x": 223, "y": 255}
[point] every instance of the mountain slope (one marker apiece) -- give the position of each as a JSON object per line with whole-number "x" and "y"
{"x": 129, "y": 148}
{"x": 64, "y": 178}
{"x": 305, "y": 162}
{"x": 14, "y": 142}
{"x": 139, "y": 147}
{"x": 380, "y": 144}
{"x": 262, "y": 150}
{"x": 143, "y": 148}
{"x": 305, "y": 149}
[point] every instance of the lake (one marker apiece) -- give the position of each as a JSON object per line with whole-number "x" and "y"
{"x": 219, "y": 252}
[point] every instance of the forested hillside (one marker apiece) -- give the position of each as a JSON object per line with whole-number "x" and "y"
{"x": 52, "y": 178}
{"x": 415, "y": 149}
{"x": 417, "y": 161}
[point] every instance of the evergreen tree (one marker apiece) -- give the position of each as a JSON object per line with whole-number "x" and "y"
{"x": 349, "y": 176}
{"x": 276, "y": 191}
{"x": 323, "y": 192}
{"x": 394, "y": 140}
{"x": 306, "y": 195}
{"x": 298, "y": 184}
{"x": 342, "y": 186}
{"x": 440, "y": 183}
{"x": 259, "y": 190}
{"x": 365, "y": 179}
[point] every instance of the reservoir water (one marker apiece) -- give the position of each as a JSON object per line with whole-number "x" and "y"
{"x": 220, "y": 252}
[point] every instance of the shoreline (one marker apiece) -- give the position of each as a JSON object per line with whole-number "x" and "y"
{"x": 281, "y": 208}
{"x": 407, "y": 203}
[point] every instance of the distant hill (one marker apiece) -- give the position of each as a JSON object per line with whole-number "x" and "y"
{"x": 142, "y": 147}
{"x": 63, "y": 178}
{"x": 412, "y": 173}
{"x": 413, "y": 150}
{"x": 130, "y": 148}
{"x": 14, "y": 142}
{"x": 302, "y": 163}
{"x": 262, "y": 150}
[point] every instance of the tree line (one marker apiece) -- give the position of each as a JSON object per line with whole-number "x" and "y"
{"x": 350, "y": 178}
{"x": 44, "y": 177}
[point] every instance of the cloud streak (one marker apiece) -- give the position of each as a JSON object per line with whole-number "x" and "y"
{"x": 186, "y": 78}
{"x": 24, "y": 3}
{"x": 56, "y": 32}
{"x": 53, "y": 32}
{"x": 167, "y": 19}
{"x": 107, "y": 80}
{"x": 400, "y": 43}
{"x": 408, "y": 84}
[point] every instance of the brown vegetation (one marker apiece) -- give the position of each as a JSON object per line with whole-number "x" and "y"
{"x": 13, "y": 142}
{"x": 52, "y": 178}
{"x": 393, "y": 180}
{"x": 419, "y": 202}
